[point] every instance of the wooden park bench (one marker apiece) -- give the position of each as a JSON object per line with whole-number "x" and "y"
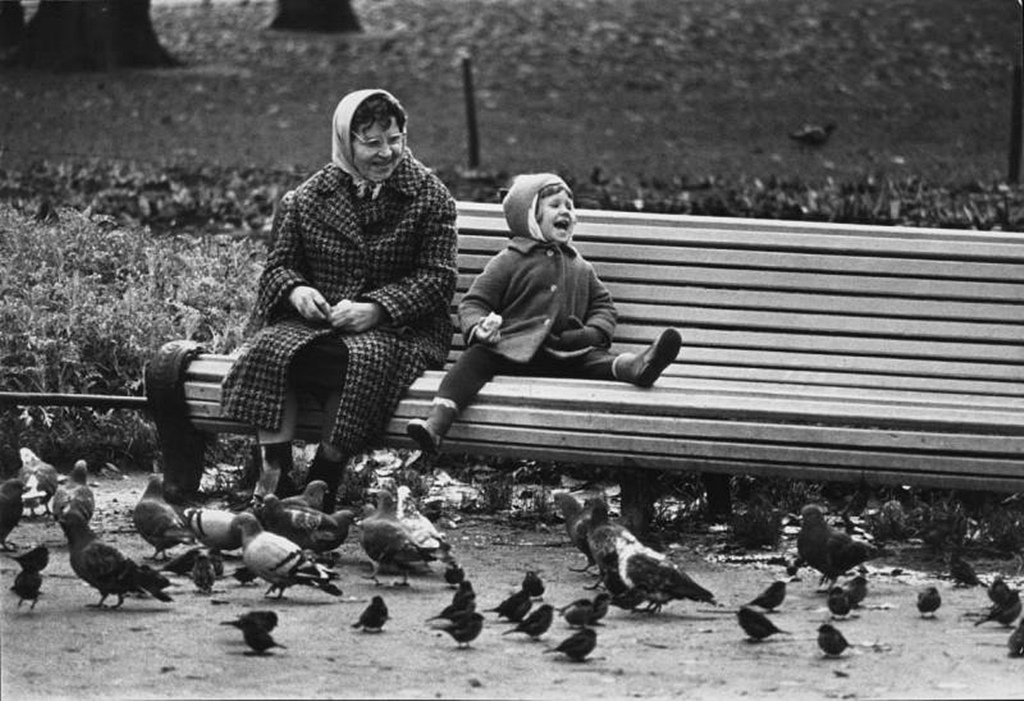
{"x": 887, "y": 355}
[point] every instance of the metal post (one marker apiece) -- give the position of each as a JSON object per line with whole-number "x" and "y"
{"x": 467, "y": 89}
{"x": 1017, "y": 106}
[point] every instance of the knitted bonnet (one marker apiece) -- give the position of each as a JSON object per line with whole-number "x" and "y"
{"x": 520, "y": 204}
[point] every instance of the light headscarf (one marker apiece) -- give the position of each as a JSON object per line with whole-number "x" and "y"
{"x": 341, "y": 138}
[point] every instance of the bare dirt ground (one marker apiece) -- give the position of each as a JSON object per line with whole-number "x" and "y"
{"x": 148, "y": 649}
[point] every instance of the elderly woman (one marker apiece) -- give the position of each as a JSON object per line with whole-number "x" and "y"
{"x": 354, "y": 301}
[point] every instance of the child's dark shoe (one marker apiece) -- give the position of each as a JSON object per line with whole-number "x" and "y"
{"x": 643, "y": 369}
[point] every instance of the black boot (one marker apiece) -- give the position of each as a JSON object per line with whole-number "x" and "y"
{"x": 331, "y": 472}
{"x": 429, "y": 433}
{"x": 642, "y": 369}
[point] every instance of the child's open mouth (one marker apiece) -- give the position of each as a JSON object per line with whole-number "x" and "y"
{"x": 563, "y": 224}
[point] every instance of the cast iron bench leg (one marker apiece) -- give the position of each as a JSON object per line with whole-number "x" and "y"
{"x": 183, "y": 446}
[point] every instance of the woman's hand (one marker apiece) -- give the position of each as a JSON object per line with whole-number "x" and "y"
{"x": 310, "y": 303}
{"x": 356, "y": 317}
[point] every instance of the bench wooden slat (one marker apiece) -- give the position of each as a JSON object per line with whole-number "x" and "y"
{"x": 498, "y": 416}
{"x": 641, "y": 446}
{"x": 796, "y": 280}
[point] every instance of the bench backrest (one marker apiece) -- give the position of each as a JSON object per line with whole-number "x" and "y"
{"x": 763, "y": 300}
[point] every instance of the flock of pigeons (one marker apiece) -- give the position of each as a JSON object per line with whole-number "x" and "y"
{"x": 290, "y": 541}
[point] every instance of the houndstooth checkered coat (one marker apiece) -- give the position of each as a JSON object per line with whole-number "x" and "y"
{"x": 398, "y": 250}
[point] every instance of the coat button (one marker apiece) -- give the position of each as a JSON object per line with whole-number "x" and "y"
{"x": 550, "y": 253}
{"x": 554, "y": 287}
{"x": 547, "y": 322}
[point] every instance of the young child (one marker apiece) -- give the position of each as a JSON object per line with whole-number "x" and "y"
{"x": 538, "y": 308}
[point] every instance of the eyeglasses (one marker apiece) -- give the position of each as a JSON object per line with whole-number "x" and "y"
{"x": 378, "y": 143}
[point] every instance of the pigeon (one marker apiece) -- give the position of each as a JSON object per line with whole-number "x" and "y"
{"x": 279, "y": 561}
{"x": 29, "y": 580}
{"x": 961, "y": 571}
{"x": 928, "y": 601}
{"x": 813, "y": 134}
{"x": 203, "y": 573}
{"x": 856, "y": 590}
{"x": 213, "y": 528}
{"x": 388, "y": 542}
{"x": 454, "y": 574}
{"x": 1016, "y": 640}
{"x": 256, "y": 637}
{"x": 578, "y": 645}
{"x": 422, "y": 530}
{"x": 464, "y": 627}
{"x": 772, "y": 597}
{"x": 75, "y": 491}
{"x": 1006, "y": 612}
{"x": 40, "y": 479}
{"x": 579, "y": 613}
{"x": 158, "y": 522}
{"x": 265, "y": 619}
{"x": 372, "y": 619}
{"x": 755, "y": 624}
{"x": 577, "y": 522}
{"x": 630, "y": 568}
{"x": 104, "y": 567}
{"x": 999, "y": 591}
{"x": 537, "y": 623}
{"x": 312, "y": 497}
{"x": 514, "y": 607}
{"x": 533, "y": 585}
{"x": 11, "y": 506}
{"x": 838, "y": 602}
{"x": 830, "y": 551}
{"x": 831, "y": 641}
{"x": 308, "y": 528}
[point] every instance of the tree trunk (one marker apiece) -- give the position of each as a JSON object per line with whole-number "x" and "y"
{"x": 12, "y": 24}
{"x": 76, "y": 35}
{"x": 316, "y": 16}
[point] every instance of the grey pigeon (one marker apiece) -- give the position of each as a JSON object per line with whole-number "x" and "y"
{"x": 104, "y": 567}
{"x": 312, "y": 496}
{"x": 214, "y": 528}
{"x": 279, "y": 561}
{"x": 157, "y": 521}
{"x": 388, "y": 542}
{"x": 577, "y": 521}
{"x": 39, "y": 477}
{"x": 75, "y": 491}
{"x": 630, "y": 568}
{"x": 309, "y": 528}
{"x": 830, "y": 551}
